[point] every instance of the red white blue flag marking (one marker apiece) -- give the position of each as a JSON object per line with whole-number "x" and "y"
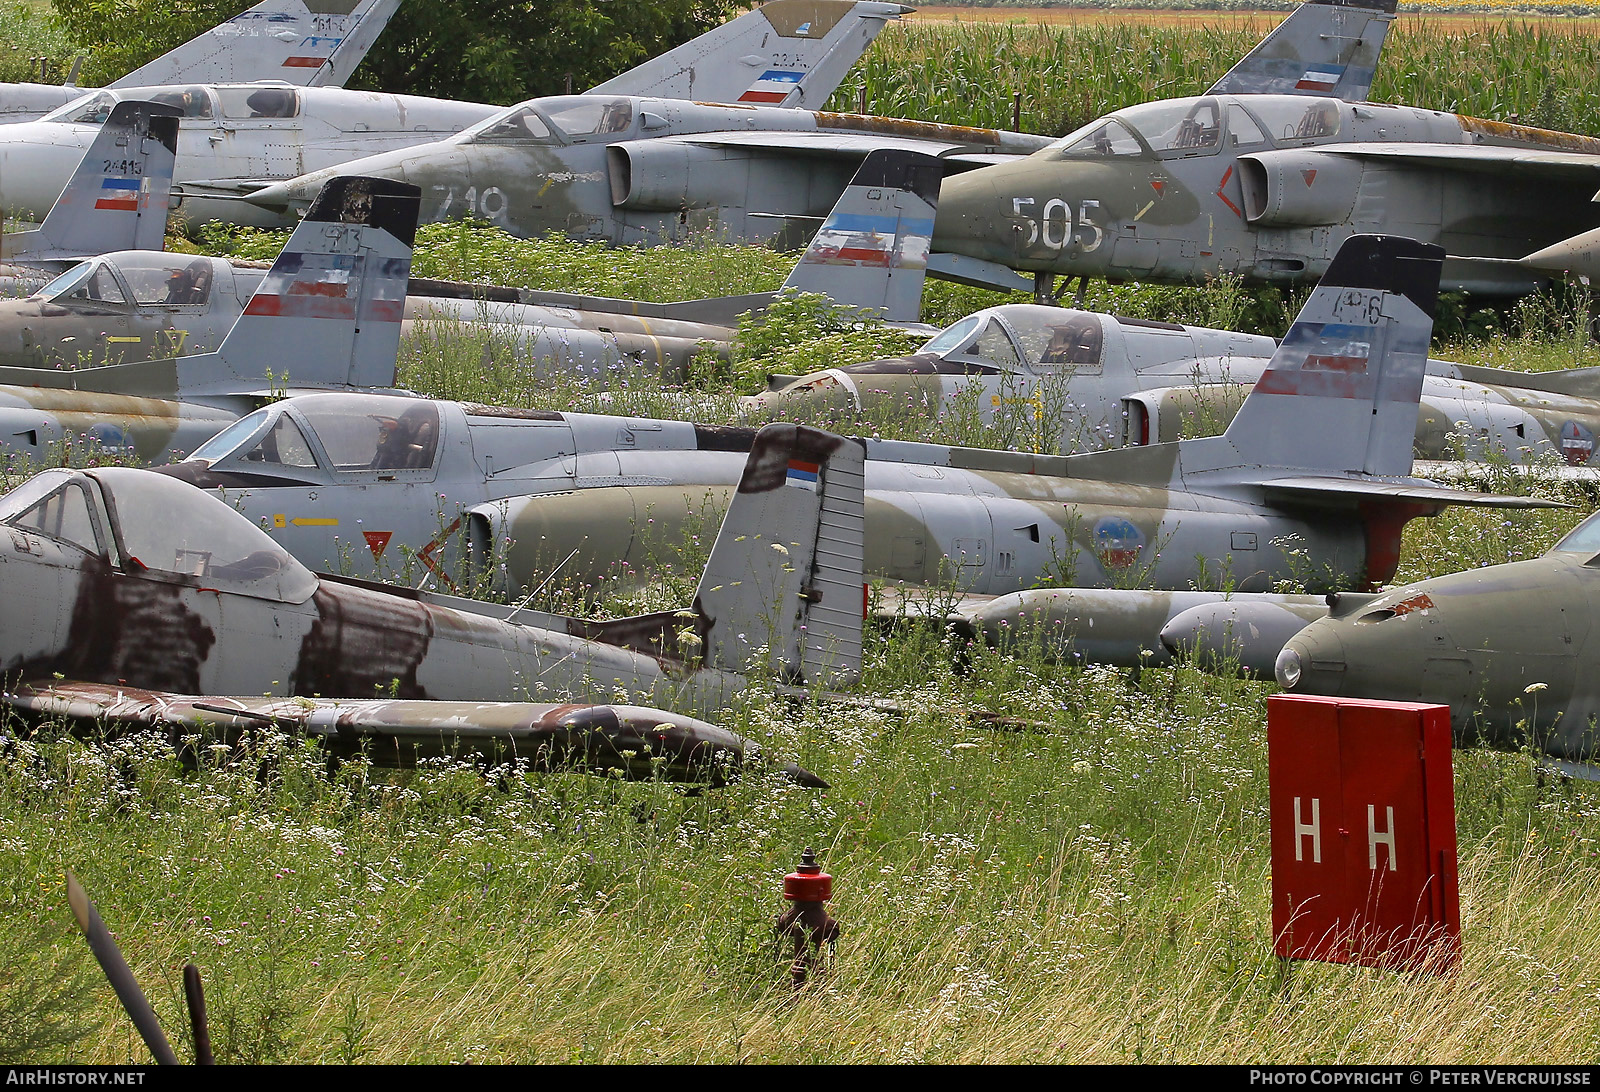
{"x": 773, "y": 86}
{"x": 802, "y": 474}
{"x": 120, "y": 194}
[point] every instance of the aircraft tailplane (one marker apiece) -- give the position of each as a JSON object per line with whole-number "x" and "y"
{"x": 872, "y": 251}
{"x": 327, "y": 314}
{"x": 784, "y": 580}
{"x": 118, "y": 197}
{"x": 1340, "y": 394}
{"x": 786, "y": 53}
{"x": 1327, "y": 48}
{"x": 310, "y": 43}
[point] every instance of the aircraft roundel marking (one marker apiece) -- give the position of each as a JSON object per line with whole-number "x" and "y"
{"x": 1222, "y": 186}
{"x": 1577, "y": 444}
{"x": 1117, "y": 542}
{"x": 377, "y": 541}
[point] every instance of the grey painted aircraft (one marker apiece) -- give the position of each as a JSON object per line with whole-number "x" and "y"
{"x": 307, "y": 43}
{"x": 325, "y": 316}
{"x": 235, "y": 138}
{"x": 640, "y": 170}
{"x": 1309, "y": 483}
{"x": 1266, "y": 187}
{"x": 135, "y": 598}
{"x": 1509, "y": 648}
{"x": 1082, "y": 380}
{"x": 117, "y": 198}
{"x": 130, "y": 306}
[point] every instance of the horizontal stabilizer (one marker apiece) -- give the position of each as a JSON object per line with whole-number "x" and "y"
{"x": 1348, "y": 492}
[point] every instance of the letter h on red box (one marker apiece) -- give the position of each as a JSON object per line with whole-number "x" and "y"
{"x": 1363, "y": 832}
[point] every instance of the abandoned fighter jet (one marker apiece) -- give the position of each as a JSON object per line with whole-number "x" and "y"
{"x": 349, "y": 260}
{"x": 116, "y": 200}
{"x": 308, "y": 43}
{"x": 236, "y": 137}
{"x": 642, "y": 170}
{"x": 1266, "y": 187}
{"x": 1082, "y": 381}
{"x": 1307, "y": 484}
{"x": 134, "y": 597}
{"x": 129, "y": 306}
{"x": 1509, "y": 648}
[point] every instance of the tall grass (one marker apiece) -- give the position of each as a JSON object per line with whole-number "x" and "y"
{"x": 966, "y": 73}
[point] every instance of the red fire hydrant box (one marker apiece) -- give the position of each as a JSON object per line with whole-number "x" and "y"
{"x": 1363, "y": 820}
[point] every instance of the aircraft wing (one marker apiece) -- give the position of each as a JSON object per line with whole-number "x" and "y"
{"x": 627, "y": 740}
{"x": 1341, "y": 492}
{"x": 837, "y": 145}
{"x": 1483, "y": 158}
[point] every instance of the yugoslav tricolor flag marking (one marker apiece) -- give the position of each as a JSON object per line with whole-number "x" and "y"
{"x": 802, "y": 474}
{"x": 773, "y": 86}
{"x": 1320, "y": 77}
{"x": 121, "y": 194}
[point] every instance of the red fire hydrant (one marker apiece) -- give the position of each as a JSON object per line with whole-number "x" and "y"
{"x": 806, "y": 923}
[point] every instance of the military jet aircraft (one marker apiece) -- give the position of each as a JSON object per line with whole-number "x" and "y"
{"x": 1083, "y": 380}
{"x": 1266, "y": 187}
{"x": 1508, "y": 648}
{"x": 1307, "y": 484}
{"x": 641, "y": 170}
{"x": 129, "y": 306}
{"x": 308, "y": 44}
{"x": 237, "y": 137}
{"x": 326, "y": 316}
{"x": 133, "y": 598}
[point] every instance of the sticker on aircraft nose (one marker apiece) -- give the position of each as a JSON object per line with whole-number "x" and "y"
{"x": 1117, "y": 542}
{"x": 1577, "y": 443}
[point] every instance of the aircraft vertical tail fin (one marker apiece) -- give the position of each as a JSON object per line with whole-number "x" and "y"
{"x": 783, "y": 582}
{"x": 872, "y": 251}
{"x": 118, "y": 197}
{"x": 786, "y": 53}
{"x": 310, "y": 43}
{"x": 327, "y": 314}
{"x": 1341, "y": 392}
{"x": 1324, "y": 47}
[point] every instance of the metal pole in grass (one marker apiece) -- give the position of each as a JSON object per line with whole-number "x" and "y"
{"x": 117, "y": 970}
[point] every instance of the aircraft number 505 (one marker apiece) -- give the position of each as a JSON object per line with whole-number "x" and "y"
{"x": 1354, "y": 306}
{"x": 1056, "y": 227}
{"x": 490, "y": 204}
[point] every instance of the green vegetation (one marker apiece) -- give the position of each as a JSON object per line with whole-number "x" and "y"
{"x": 1093, "y": 889}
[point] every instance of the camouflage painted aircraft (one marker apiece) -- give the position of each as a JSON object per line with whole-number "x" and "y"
{"x": 641, "y": 170}
{"x": 130, "y": 306}
{"x": 306, "y": 43}
{"x": 1082, "y": 380}
{"x": 1509, "y": 648}
{"x": 1308, "y": 483}
{"x": 1266, "y": 187}
{"x": 239, "y": 137}
{"x": 132, "y": 598}
{"x": 349, "y": 260}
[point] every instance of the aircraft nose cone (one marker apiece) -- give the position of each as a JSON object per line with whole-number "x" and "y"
{"x": 969, "y": 220}
{"x": 1313, "y": 662}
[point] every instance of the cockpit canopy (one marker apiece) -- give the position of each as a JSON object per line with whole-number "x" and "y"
{"x": 136, "y": 277}
{"x": 574, "y": 117}
{"x": 1582, "y": 539}
{"x": 1018, "y": 336}
{"x": 301, "y": 438}
{"x": 1176, "y": 128}
{"x": 95, "y": 107}
{"x": 150, "y": 524}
